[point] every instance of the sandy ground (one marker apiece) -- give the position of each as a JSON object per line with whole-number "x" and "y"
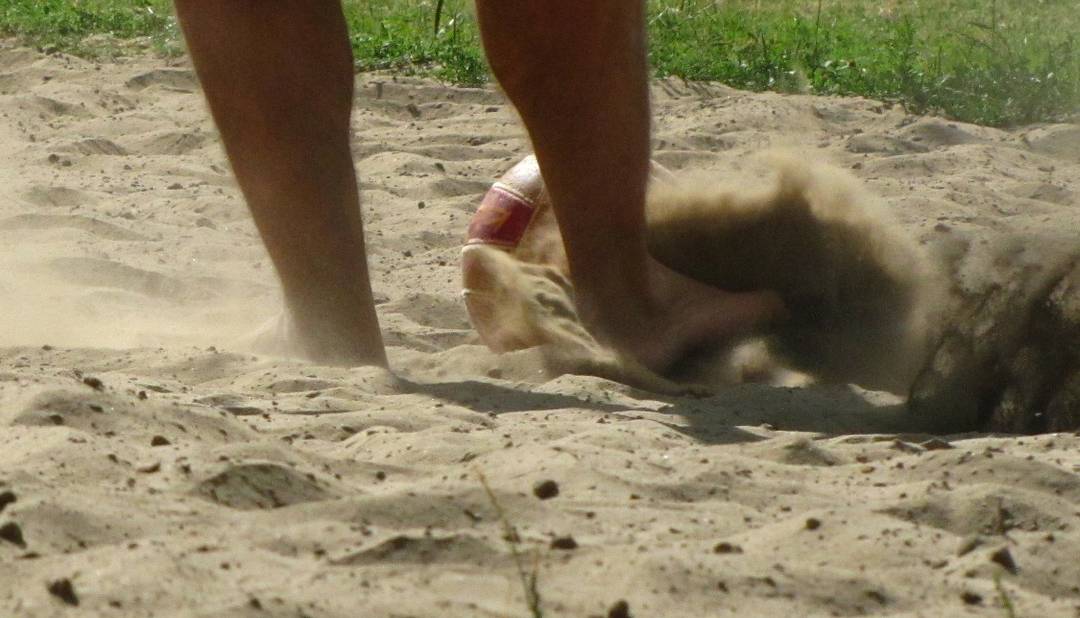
{"x": 151, "y": 466}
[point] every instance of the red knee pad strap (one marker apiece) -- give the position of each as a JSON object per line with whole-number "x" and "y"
{"x": 502, "y": 218}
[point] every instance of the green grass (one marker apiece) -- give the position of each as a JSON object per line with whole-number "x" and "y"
{"x": 402, "y": 35}
{"x": 92, "y": 28}
{"x": 996, "y": 62}
{"x": 993, "y": 62}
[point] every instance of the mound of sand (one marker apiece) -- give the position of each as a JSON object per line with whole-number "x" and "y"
{"x": 149, "y": 467}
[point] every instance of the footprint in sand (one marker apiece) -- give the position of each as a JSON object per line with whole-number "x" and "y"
{"x": 171, "y": 143}
{"x": 109, "y": 274}
{"x": 95, "y": 227}
{"x": 52, "y": 108}
{"x": 406, "y": 549}
{"x": 58, "y": 197}
{"x": 176, "y": 79}
{"x": 258, "y": 485}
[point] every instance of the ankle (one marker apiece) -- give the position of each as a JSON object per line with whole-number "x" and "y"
{"x": 336, "y": 333}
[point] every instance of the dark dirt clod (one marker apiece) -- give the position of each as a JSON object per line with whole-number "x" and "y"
{"x": 877, "y": 596}
{"x": 63, "y": 590}
{"x": 934, "y": 444}
{"x": 621, "y": 609}
{"x": 93, "y": 383}
{"x": 149, "y": 468}
{"x": 546, "y": 489}
{"x": 727, "y": 548}
{"x": 12, "y": 533}
{"x": 6, "y": 498}
{"x": 970, "y": 598}
{"x": 159, "y": 441}
{"x": 813, "y": 523}
{"x": 969, "y": 545}
{"x": 564, "y": 542}
{"x": 380, "y": 476}
{"x": 1004, "y": 558}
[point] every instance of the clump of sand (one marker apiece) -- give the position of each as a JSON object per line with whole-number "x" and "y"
{"x": 1008, "y": 359}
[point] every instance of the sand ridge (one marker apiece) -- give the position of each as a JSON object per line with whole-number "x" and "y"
{"x": 159, "y": 471}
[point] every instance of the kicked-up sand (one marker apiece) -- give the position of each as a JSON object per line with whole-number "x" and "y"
{"x": 152, "y": 464}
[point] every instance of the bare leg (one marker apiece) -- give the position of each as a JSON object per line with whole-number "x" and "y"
{"x": 279, "y": 80}
{"x": 576, "y": 71}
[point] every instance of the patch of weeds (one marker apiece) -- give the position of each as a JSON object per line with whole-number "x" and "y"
{"x": 92, "y": 28}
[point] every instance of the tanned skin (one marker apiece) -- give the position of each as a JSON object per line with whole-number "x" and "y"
{"x": 278, "y": 78}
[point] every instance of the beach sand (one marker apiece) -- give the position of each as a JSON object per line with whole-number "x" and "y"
{"x": 152, "y": 465}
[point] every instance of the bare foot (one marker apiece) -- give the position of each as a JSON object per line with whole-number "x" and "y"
{"x": 676, "y": 316}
